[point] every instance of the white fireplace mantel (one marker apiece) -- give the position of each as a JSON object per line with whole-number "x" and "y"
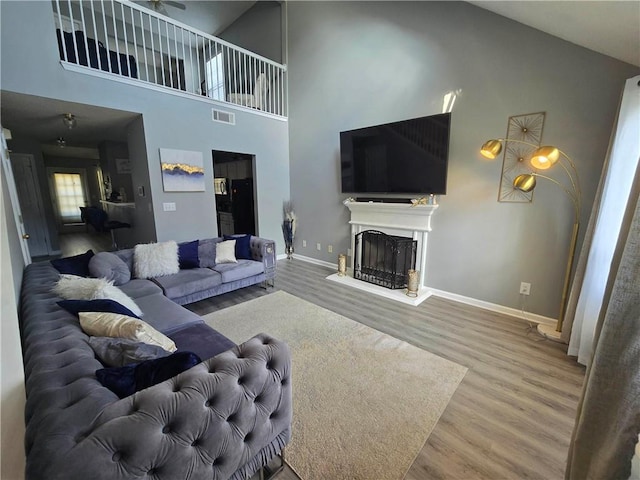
{"x": 402, "y": 219}
{"x": 398, "y": 216}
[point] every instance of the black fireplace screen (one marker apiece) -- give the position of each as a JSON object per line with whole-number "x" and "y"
{"x": 384, "y": 259}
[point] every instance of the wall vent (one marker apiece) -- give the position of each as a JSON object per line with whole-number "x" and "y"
{"x": 222, "y": 116}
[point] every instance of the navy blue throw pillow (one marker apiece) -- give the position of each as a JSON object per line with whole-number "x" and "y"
{"x": 127, "y": 380}
{"x": 98, "y": 305}
{"x": 188, "y": 255}
{"x": 76, "y": 265}
{"x": 243, "y": 245}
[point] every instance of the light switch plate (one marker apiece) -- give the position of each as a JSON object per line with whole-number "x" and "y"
{"x": 169, "y": 206}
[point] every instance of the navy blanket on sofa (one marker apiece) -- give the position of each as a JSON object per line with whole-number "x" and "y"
{"x": 97, "y": 58}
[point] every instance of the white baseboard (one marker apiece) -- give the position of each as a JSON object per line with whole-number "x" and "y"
{"x": 493, "y": 307}
{"x": 314, "y": 261}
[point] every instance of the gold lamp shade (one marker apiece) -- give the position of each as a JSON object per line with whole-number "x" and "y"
{"x": 525, "y": 182}
{"x": 545, "y": 157}
{"x": 491, "y": 149}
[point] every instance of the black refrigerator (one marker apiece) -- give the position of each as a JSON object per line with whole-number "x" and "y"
{"x": 242, "y": 206}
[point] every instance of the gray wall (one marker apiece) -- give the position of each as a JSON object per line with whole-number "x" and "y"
{"x": 30, "y": 65}
{"x": 355, "y": 64}
{"x": 259, "y": 30}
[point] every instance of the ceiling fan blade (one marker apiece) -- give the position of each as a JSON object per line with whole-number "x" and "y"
{"x": 177, "y": 5}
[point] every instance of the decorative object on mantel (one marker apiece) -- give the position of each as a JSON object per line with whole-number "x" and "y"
{"x": 288, "y": 227}
{"x": 524, "y": 134}
{"x": 412, "y": 283}
{"x": 430, "y": 200}
{"x": 342, "y": 264}
{"x": 543, "y": 158}
{"x": 182, "y": 170}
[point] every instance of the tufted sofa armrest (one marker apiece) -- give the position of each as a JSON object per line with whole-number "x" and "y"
{"x": 205, "y": 423}
{"x": 263, "y": 250}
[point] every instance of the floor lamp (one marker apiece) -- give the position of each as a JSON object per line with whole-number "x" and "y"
{"x": 544, "y": 158}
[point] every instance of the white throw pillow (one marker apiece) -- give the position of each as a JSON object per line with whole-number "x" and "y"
{"x": 72, "y": 287}
{"x": 105, "y": 324}
{"x": 114, "y": 293}
{"x": 156, "y": 259}
{"x": 226, "y": 252}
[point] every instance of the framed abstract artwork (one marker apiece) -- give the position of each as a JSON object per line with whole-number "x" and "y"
{"x": 182, "y": 170}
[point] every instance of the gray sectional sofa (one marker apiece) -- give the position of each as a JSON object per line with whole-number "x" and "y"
{"x": 213, "y": 278}
{"x": 224, "y": 418}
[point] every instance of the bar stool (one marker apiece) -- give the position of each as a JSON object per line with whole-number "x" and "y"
{"x": 99, "y": 220}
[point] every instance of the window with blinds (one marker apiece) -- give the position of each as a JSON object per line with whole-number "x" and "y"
{"x": 70, "y": 196}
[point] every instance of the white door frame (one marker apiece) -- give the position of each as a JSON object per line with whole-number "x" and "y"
{"x": 13, "y": 196}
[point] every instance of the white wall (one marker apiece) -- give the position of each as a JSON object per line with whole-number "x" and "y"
{"x": 355, "y": 64}
{"x": 12, "y": 396}
{"x": 30, "y": 65}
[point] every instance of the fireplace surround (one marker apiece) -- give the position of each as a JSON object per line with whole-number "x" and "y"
{"x": 401, "y": 219}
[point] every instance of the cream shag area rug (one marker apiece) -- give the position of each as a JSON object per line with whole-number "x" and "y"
{"x": 364, "y": 403}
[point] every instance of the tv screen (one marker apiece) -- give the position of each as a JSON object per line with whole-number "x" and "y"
{"x": 410, "y": 157}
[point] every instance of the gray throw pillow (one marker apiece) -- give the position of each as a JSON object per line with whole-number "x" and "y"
{"x": 207, "y": 252}
{"x": 118, "y": 352}
{"x": 109, "y": 266}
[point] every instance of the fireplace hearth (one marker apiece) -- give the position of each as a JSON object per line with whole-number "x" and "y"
{"x": 383, "y": 259}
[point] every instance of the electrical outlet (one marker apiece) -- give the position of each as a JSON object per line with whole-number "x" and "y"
{"x": 525, "y": 288}
{"x": 330, "y": 248}
{"x": 318, "y": 247}
{"x": 304, "y": 243}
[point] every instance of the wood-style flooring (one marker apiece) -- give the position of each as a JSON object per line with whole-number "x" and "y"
{"x": 77, "y": 243}
{"x": 512, "y": 415}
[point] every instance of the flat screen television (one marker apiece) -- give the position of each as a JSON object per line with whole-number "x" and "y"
{"x": 408, "y": 157}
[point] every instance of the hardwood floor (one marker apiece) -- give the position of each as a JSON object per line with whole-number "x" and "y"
{"x": 77, "y": 243}
{"x": 512, "y": 415}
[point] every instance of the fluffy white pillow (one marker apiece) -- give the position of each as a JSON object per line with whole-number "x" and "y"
{"x": 114, "y": 293}
{"x": 72, "y": 287}
{"x": 226, "y": 252}
{"x": 105, "y": 324}
{"x": 156, "y": 259}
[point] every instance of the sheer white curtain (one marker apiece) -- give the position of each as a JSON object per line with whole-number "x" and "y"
{"x": 622, "y": 164}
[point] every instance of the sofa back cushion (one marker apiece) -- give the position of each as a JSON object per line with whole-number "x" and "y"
{"x": 207, "y": 252}
{"x": 110, "y": 266}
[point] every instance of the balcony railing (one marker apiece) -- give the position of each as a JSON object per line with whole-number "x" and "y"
{"x": 119, "y": 37}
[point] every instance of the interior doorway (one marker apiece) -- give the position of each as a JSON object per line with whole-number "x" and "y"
{"x": 31, "y": 204}
{"x": 235, "y": 192}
